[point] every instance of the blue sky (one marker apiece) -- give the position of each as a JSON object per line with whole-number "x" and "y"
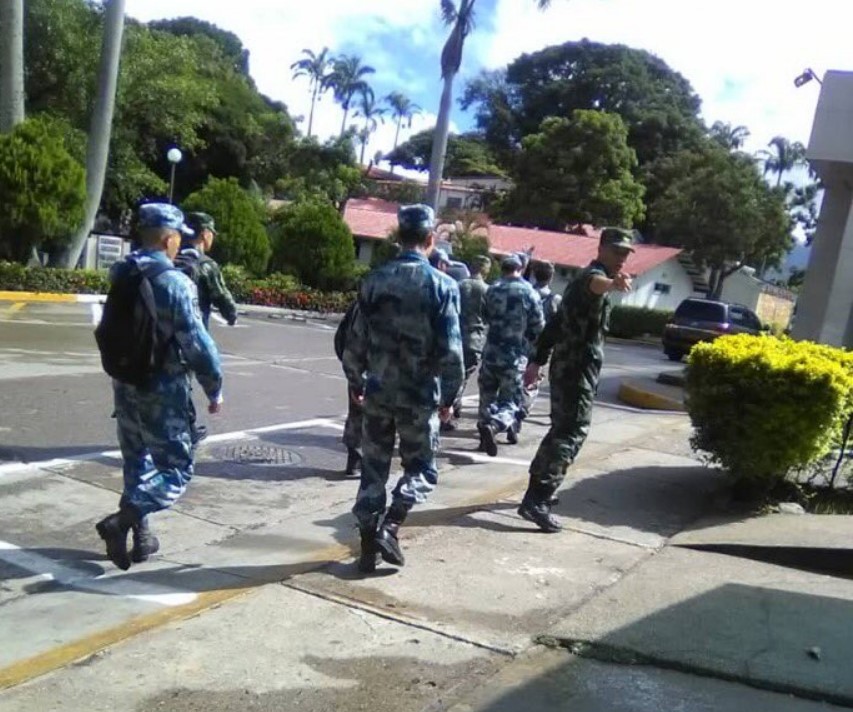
{"x": 740, "y": 55}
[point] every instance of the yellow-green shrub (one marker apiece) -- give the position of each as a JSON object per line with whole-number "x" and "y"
{"x": 762, "y": 406}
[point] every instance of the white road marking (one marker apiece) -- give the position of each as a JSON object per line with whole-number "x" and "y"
{"x": 48, "y": 569}
{"x": 219, "y": 319}
{"x": 58, "y": 462}
{"x": 478, "y": 457}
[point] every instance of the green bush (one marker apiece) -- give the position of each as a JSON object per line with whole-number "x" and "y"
{"x": 630, "y": 322}
{"x": 15, "y": 277}
{"x": 42, "y": 189}
{"x": 311, "y": 239}
{"x": 240, "y": 235}
{"x": 763, "y": 406}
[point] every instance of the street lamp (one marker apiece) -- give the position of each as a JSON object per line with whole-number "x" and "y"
{"x": 174, "y": 156}
{"x": 806, "y": 77}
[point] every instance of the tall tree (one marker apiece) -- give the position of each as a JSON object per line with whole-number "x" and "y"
{"x": 229, "y": 44}
{"x": 576, "y": 171}
{"x": 11, "y": 64}
{"x": 368, "y": 109}
{"x": 348, "y": 81}
{"x": 317, "y": 67}
{"x": 98, "y": 147}
{"x": 466, "y": 155}
{"x": 728, "y": 136}
{"x": 784, "y": 156}
{"x": 460, "y": 18}
{"x": 403, "y": 110}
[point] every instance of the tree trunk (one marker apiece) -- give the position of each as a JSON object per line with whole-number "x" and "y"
{"x": 98, "y": 148}
{"x": 439, "y": 144}
{"x": 311, "y": 114}
{"x": 363, "y": 148}
{"x": 11, "y": 64}
{"x": 344, "y": 122}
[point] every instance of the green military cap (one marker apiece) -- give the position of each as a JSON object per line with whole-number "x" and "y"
{"x": 482, "y": 262}
{"x": 618, "y": 237}
{"x": 201, "y": 221}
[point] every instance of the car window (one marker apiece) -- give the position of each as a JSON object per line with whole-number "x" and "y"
{"x": 753, "y": 321}
{"x": 701, "y": 311}
{"x": 738, "y": 316}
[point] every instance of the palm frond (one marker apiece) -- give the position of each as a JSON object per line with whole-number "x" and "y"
{"x": 448, "y": 11}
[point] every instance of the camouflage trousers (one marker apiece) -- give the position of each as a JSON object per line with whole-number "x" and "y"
{"x": 417, "y": 427}
{"x": 501, "y": 392}
{"x": 156, "y": 446}
{"x": 472, "y": 362}
{"x": 353, "y": 426}
{"x": 572, "y": 395}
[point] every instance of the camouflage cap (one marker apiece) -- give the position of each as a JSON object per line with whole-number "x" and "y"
{"x": 416, "y": 218}
{"x": 438, "y": 256}
{"x": 153, "y": 215}
{"x": 458, "y": 270}
{"x": 513, "y": 261}
{"x": 481, "y": 262}
{"x": 201, "y": 221}
{"x": 618, "y": 237}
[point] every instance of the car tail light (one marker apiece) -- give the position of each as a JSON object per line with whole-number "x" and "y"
{"x": 722, "y": 328}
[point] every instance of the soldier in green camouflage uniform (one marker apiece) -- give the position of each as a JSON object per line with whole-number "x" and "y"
{"x": 355, "y": 410}
{"x": 576, "y": 337}
{"x": 212, "y": 291}
{"x": 403, "y": 354}
{"x": 472, "y": 296}
{"x": 513, "y": 313}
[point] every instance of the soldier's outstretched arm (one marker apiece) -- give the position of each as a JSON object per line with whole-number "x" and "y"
{"x": 220, "y": 295}
{"x": 195, "y": 343}
{"x": 354, "y": 357}
{"x": 449, "y": 347}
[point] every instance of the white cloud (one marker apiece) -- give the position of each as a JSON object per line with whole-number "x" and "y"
{"x": 741, "y": 56}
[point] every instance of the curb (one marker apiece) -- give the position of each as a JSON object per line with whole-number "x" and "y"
{"x": 633, "y": 393}
{"x": 6, "y": 296}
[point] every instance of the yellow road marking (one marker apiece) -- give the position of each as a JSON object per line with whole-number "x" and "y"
{"x": 36, "y": 297}
{"x": 14, "y": 309}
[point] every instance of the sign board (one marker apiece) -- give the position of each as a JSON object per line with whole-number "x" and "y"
{"x": 109, "y": 250}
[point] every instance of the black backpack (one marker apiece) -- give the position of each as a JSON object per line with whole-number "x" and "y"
{"x": 189, "y": 264}
{"x": 130, "y": 338}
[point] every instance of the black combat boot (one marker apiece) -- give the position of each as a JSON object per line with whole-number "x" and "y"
{"x": 512, "y": 433}
{"x": 113, "y": 530}
{"x": 353, "y": 462}
{"x": 386, "y": 538}
{"x": 145, "y": 544}
{"x": 536, "y": 508}
{"x": 487, "y": 439}
{"x": 369, "y": 552}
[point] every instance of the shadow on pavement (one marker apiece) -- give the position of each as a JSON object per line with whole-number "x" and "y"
{"x": 10, "y": 454}
{"x": 821, "y": 560}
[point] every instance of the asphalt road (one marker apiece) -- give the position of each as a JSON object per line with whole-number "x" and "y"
{"x": 56, "y": 401}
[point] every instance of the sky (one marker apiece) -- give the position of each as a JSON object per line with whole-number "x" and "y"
{"x": 741, "y": 56}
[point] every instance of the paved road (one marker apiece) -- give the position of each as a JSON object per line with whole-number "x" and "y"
{"x": 57, "y": 401}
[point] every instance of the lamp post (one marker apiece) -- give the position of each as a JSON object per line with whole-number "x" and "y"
{"x": 174, "y": 156}
{"x": 806, "y": 77}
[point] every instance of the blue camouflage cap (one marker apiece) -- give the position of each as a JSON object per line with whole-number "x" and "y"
{"x": 438, "y": 256}
{"x": 513, "y": 260}
{"x": 163, "y": 215}
{"x": 416, "y": 218}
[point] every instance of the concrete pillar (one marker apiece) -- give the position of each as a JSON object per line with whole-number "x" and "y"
{"x": 825, "y": 307}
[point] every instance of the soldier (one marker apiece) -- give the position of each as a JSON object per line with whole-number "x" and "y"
{"x": 439, "y": 259}
{"x": 152, "y": 409}
{"x": 205, "y": 271}
{"x": 472, "y": 294}
{"x": 355, "y": 410}
{"x": 513, "y": 313}
{"x": 576, "y": 337}
{"x": 542, "y": 274}
{"x": 404, "y": 357}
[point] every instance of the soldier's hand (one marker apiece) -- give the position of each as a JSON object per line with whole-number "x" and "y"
{"x": 233, "y": 321}
{"x": 445, "y": 414}
{"x": 215, "y": 407}
{"x": 532, "y": 375}
{"x": 622, "y": 282}
{"x": 356, "y": 397}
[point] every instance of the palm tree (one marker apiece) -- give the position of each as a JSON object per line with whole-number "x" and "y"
{"x": 372, "y": 114}
{"x": 402, "y": 109}
{"x": 98, "y": 147}
{"x": 728, "y": 136}
{"x": 11, "y": 64}
{"x": 347, "y": 80}
{"x": 460, "y": 18}
{"x": 785, "y": 156}
{"x": 316, "y": 67}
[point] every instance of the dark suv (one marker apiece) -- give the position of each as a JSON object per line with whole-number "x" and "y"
{"x": 698, "y": 320}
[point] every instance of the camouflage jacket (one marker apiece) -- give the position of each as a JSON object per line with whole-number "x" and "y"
{"x": 404, "y": 347}
{"x": 191, "y": 348}
{"x": 576, "y": 334}
{"x": 472, "y": 295}
{"x": 513, "y": 313}
{"x": 211, "y": 287}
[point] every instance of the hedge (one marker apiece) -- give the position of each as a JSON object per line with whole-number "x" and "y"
{"x": 763, "y": 406}
{"x": 15, "y": 277}
{"x": 630, "y": 322}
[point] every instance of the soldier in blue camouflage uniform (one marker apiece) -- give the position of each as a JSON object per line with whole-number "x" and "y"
{"x": 404, "y": 355}
{"x": 576, "y": 337}
{"x": 154, "y": 422}
{"x": 472, "y": 296}
{"x": 541, "y": 273}
{"x": 513, "y": 313}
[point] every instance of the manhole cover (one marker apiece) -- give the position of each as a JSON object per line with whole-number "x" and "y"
{"x": 261, "y": 455}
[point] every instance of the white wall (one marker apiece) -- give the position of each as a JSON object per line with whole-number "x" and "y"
{"x": 364, "y": 248}
{"x": 742, "y": 288}
{"x": 670, "y": 273}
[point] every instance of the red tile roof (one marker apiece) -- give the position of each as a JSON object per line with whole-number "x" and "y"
{"x": 374, "y": 218}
